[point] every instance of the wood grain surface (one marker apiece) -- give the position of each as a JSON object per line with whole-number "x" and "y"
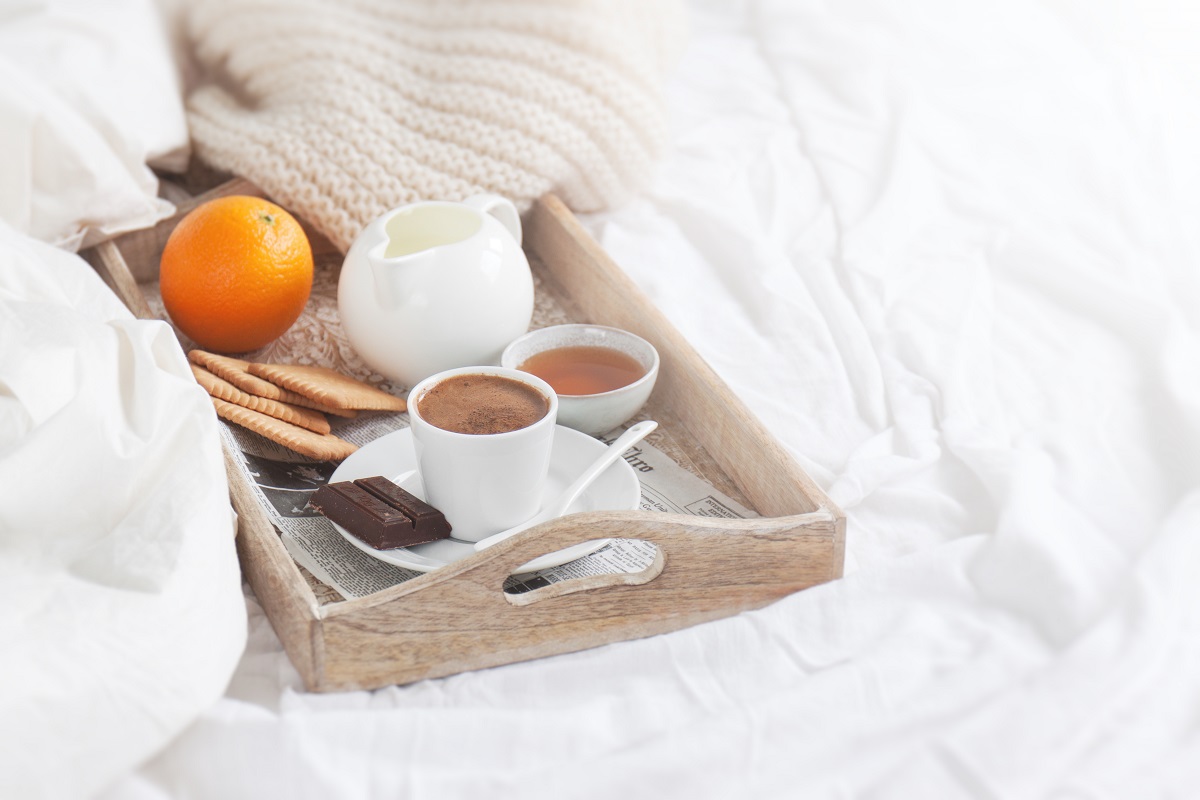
{"x": 459, "y": 618}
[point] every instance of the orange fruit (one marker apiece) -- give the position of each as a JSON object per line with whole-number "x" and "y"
{"x": 236, "y": 273}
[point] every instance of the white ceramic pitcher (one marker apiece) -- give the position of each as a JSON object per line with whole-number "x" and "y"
{"x": 436, "y": 285}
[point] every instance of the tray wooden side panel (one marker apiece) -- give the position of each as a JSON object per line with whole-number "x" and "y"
{"x": 109, "y": 262}
{"x": 712, "y": 413}
{"x": 459, "y": 618}
{"x": 268, "y": 567}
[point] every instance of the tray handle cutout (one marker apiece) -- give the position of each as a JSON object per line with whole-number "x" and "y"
{"x": 590, "y": 582}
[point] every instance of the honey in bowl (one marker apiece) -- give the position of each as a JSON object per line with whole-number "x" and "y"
{"x": 582, "y": 370}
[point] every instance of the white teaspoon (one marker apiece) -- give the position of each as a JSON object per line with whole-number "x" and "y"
{"x": 559, "y": 505}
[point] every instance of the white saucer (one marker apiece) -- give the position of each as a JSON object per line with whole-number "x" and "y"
{"x": 392, "y": 456}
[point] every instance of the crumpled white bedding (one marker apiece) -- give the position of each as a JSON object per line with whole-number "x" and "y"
{"x": 124, "y": 616}
{"x": 947, "y": 253}
{"x": 87, "y": 99}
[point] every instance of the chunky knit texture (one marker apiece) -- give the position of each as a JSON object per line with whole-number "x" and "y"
{"x": 343, "y": 109}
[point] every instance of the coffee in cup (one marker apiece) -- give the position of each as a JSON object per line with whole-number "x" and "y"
{"x": 483, "y": 438}
{"x": 480, "y": 404}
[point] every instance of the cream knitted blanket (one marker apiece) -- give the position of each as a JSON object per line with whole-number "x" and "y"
{"x": 342, "y": 109}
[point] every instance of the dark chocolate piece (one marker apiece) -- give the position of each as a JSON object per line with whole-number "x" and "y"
{"x": 373, "y": 520}
{"x": 427, "y": 520}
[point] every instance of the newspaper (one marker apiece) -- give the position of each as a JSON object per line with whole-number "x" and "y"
{"x": 284, "y": 481}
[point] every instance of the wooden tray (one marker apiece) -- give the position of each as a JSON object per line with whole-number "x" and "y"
{"x": 459, "y": 618}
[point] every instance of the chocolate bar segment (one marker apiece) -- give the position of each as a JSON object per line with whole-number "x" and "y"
{"x": 427, "y": 520}
{"x": 373, "y": 520}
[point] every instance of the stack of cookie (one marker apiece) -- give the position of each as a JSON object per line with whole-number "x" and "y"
{"x": 287, "y": 403}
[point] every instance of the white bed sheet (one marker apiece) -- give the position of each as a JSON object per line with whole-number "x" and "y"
{"x": 947, "y": 252}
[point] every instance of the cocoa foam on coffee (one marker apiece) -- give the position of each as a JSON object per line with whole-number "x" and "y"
{"x": 482, "y": 404}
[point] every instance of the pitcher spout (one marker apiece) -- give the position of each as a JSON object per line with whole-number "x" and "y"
{"x": 389, "y": 273}
{"x": 412, "y": 235}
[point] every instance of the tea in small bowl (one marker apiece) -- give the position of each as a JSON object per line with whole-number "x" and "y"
{"x": 602, "y": 375}
{"x": 576, "y": 370}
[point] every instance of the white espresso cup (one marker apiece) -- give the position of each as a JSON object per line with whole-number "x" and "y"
{"x": 483, "y": 482}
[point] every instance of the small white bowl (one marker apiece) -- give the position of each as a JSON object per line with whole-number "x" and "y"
{"x": 593, "y": 414}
